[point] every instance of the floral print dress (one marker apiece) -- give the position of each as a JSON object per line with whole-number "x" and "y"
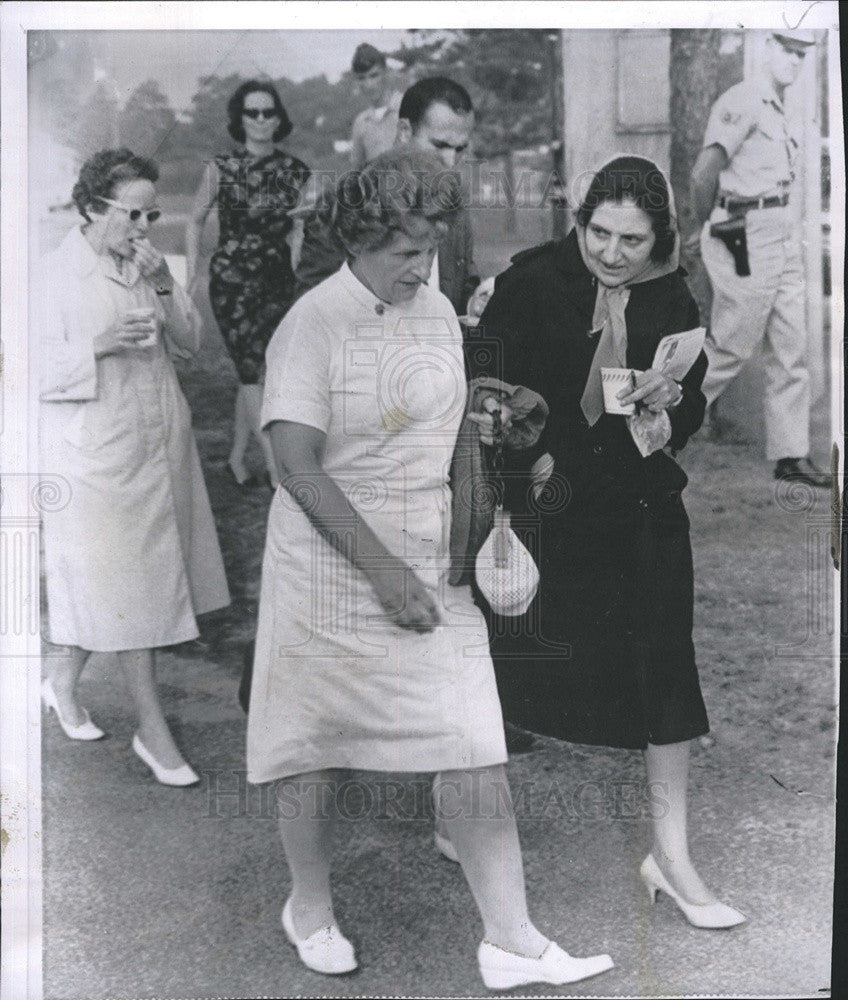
{"x": 251, "y": 282}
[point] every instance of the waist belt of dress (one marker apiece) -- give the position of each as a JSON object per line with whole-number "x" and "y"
{"x": 745, "y": 204}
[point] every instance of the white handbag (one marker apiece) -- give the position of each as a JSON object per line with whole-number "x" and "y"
{"x": 506, "y": 573}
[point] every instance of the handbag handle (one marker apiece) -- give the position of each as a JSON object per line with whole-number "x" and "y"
{"x": 501, "y": 526}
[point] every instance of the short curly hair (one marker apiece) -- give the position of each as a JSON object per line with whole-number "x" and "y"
{"x": 636, "y": 179}
{"x": 372, "y": 204}
{"x": 104, "y": 172}
{"x": 235, "y": 107}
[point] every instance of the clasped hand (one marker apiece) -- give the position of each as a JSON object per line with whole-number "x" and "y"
{"x": 654, "y": 390}
{"x": 486, "y": 421}
{"x": 152, "y": 264}
{"x": 405, "y": 598}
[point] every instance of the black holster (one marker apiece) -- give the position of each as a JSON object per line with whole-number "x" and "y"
{"x": 731, "y": 232}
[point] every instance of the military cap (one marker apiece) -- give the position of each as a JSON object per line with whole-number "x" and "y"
{"x": 367, "y": 57}
{"x": 797, "y": 36}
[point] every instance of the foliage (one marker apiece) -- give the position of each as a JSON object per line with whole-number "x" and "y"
{"x": 146, "y": 122}
{"x": 95, "y": 126}
{"x": 507, "y": 72}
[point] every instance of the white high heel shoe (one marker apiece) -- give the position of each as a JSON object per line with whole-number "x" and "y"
{"x": 179, "y": 777}
{"x": 84, "y": 731}
{"x": 326, "y": 950}
{"x": 502, "y": 970}
{"x": 712, "y": 916}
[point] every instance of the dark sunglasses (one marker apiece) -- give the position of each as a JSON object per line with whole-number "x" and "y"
{"x": 134, "y": 213}
{"x": 259, "y": 113}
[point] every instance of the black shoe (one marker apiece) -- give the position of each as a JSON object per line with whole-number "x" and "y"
{"x": 802, "y": 470}
{"x": 518, "y": 740}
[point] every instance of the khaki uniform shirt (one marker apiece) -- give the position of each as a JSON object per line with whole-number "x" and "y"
{"x": 749, "y": 122}
{"x": 374, "y": 132}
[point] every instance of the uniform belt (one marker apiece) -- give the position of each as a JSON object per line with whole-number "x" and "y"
{"x": 744, "y": 204}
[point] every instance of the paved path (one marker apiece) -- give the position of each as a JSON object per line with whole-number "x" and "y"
{"x": 159, "y": 892}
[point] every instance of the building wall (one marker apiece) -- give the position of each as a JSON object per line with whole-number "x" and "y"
{"x": 615, "y": 97}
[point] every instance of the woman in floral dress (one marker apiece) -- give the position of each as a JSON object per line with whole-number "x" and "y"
{"x": 251, "y": 282}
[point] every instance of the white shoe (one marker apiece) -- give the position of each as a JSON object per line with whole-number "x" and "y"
{"x": 445, "y": 847}
{"x": 712, "y": 916}
{"x": 326, "y": 950}
{"x": 176, "y": 776}
{"x": 501, "y": 970}
{"x": 84, "y": 731}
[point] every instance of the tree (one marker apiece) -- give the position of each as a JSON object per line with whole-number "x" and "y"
{"x": 507, "y": 74}
{"x": 321, "y": 113}
{"x": 97, "y": 123}
{"x": 695, "y": 85}
{"x": 146, "y": 121}
{"x": 208, "y": 116}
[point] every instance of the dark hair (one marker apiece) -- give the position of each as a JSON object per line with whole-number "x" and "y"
{"x": 102, "y": 173}
{"x": 235, "y": 107}
{"x": 371, "y": 204}
{"x": 433, "y": 90}
{"x": 367, "y": 57}
{"x": 633, "y": 178}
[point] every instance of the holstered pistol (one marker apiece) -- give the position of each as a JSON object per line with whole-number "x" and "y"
{"x": 731, "y": 232}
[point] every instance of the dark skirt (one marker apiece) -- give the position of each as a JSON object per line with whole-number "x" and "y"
{"x": 251, "y": 288}
{"x": 604, "y": 655}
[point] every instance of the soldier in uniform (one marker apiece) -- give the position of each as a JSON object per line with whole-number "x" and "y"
{"x": 374, "y": 128}
{"x": 741, "y": 192}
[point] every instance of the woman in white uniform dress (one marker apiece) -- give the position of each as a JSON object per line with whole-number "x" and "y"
{"x": 131, "y": 553}
{"x": 365, "y": 657}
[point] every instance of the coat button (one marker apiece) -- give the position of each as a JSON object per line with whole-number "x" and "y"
{"x": 643, "y": 504}
{"x": 379, "y": 309}
{"x": 598, "y": 450}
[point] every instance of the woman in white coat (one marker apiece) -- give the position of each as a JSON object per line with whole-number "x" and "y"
{"x": 132, "y": 556}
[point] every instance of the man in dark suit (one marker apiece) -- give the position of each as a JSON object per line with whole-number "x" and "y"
{"x": 436, "y": 115}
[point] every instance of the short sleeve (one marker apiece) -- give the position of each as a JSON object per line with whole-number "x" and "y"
{"x": 297, "y": 379}
{"x": 731, "y": 121}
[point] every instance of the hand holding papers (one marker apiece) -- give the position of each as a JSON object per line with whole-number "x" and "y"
{"x": 673, "y": 358}
{"x": 677, "y": 352}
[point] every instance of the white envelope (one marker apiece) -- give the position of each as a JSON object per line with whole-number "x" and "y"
{"x": 677, "y": 352}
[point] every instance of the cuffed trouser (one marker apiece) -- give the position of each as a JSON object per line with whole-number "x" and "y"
{"x": 766, "y": 307}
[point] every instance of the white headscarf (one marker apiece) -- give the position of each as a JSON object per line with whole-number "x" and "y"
{"x": 611, "y": 303}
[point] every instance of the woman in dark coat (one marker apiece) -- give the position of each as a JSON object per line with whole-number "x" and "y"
{"x": 604, "y": 655}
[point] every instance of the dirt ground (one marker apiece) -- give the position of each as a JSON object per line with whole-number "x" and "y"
{"x": 157, "y": 892}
